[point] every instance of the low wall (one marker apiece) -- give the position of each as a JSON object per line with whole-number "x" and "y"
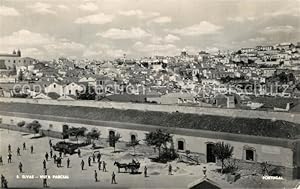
{"x": 16, "y": 128}
{"x": 292, "y": 117}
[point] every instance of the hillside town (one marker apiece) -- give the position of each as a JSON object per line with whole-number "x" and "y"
{"x": 248, "y": 78}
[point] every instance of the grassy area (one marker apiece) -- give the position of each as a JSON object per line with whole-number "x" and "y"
{"x": 257, "y": 127}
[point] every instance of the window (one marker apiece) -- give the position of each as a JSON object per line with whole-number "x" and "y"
{"x": 14, "y": 61}
{"x": 180, "y": 145}
{"x": 250, "y": 155}
{"x": 133, "y": 138}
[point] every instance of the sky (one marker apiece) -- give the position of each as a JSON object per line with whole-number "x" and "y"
{"x": 102, "y": 29}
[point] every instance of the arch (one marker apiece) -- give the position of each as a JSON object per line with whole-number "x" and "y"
{"x": 181, "y": 144}
{"x": 133, "y": 136}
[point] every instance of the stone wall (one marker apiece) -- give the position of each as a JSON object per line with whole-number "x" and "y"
{"x": 292, "y": 117}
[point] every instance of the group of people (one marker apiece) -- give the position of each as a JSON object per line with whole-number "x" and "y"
{"x": 96, "y": 158}
{"x": 4, "y": 182}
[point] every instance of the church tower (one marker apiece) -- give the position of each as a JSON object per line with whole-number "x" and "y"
{"x": 19, "y": 53}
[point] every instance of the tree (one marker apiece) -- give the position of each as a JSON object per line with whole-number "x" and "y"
{"x": 94, "y": 134}
{"x": 75, "y": 131}
{"x": 21, "y": 124}
{"x": 158, "y": 138}
{"x": 34, "y": 126}
{"x": 223, "y": 151}
{"x": 113, "y": 139}
{"x": 134, "y": 143}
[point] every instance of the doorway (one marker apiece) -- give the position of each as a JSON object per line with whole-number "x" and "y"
{"x": 210, "y": 157}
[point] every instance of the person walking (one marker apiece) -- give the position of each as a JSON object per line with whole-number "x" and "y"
{"x": 89, "y": 161}
{"x": 9, "y": 158}
{"x": 170, "y": 169}
{"x": 46, "y": 156}
{"x": 31, "y": 149}
{"x": 1, "y": 160}
{"x": 44, "y": 164}
{"x": 54, "y": 158}
{"x": 24, "y": 146}
{"x": 145, "y": 171}
{"x": 96, "y": 176}
{"x": 79, "y": 153}
{"x": 45, "y": 183}
{"x": 104, "y": 166}
{"x": 58, "y": 162}
{"x": 18, "y": 152}
{"x": 99, "y": 165}
{"x": 99, "y": 157}
{"x": 2, "y": 181}
{"x": 9, "y": 148}
{"x": 50, "y": 143}
{"x": 82, "y": 164}
{"x": 51, "y": 153}
{"x": 94, "y": 158}
{"x": 21, "y": 167}
{"x": 68, "y": 163}
{"x": 113, "y": 178}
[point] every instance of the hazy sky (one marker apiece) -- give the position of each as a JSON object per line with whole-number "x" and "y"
{"x": 110, "y": 28}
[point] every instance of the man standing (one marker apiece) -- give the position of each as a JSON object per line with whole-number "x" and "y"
{"x": 9, "y": 158}
{"x": 98, "y": 157}
{"x": 170, "y": 169}
{"x": 31, "y": 149}
{"x": 54, "y": 158}
{"x": 104, "y": 166}
{"x": 78, "y": 152}
{"x": 99, "y": 165}
{"x": 1, "y": 160}
{"x": 60, "y": 154}
{"x": 50, "y": 143}
{"x": 46, "y": 156}
{"x": 45, "y": 183}
{"x": 94, "y": 158}
{"x": 2, "y": 181}
{"x": 68, "y": 163}
{"x": 113, "y": 178}
{"x": 24, "y": 146}
{"x": 89, "y": 161}
{"x": 18, "y": 151}
{"x": 44, "y": 164}
{"x": 82, "y": 164}
{"x": 21, "y": 167}
{"x": 9, "y": 148}
{"x": 145, "y": 171}
{"x": 96, "y": 176}
{"x": 51, "y": 153}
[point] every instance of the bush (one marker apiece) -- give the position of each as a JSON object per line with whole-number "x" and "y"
{"x": 21, "y": 124}
{"x": 166, "y": 156}
{"x": 34, "y": 126}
